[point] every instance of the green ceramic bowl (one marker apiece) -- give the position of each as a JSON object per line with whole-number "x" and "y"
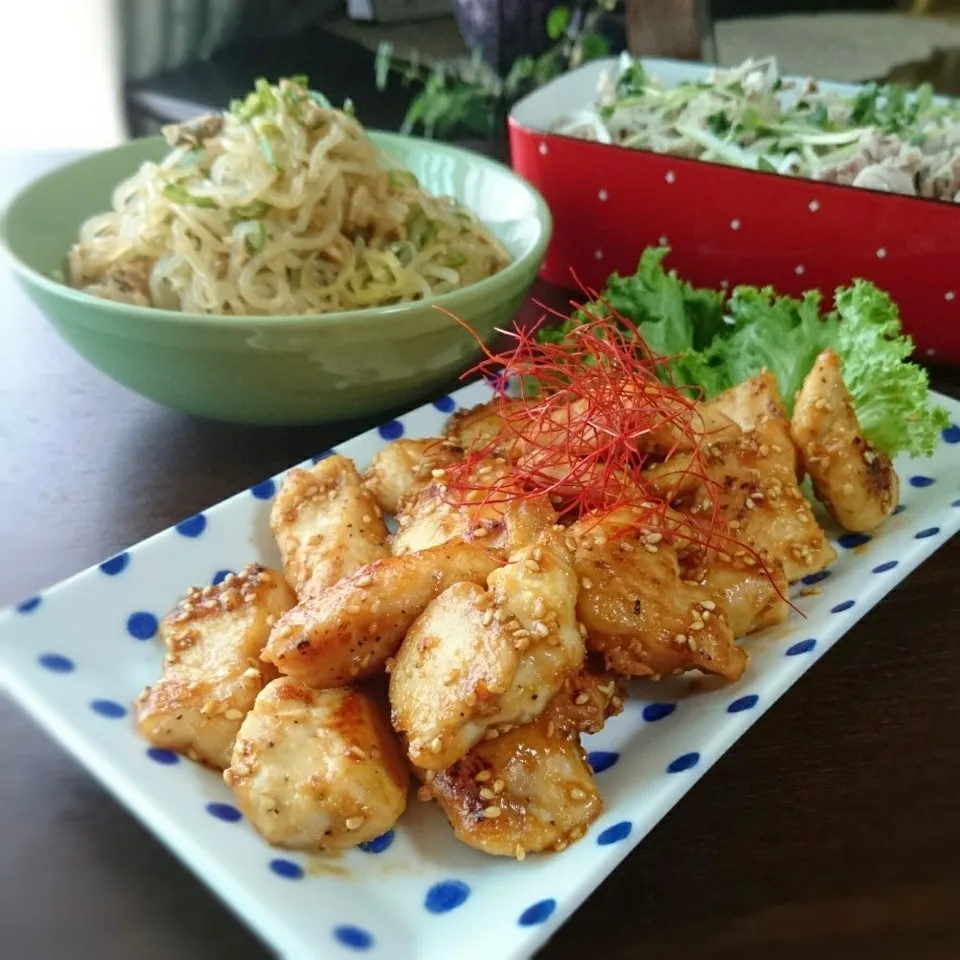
{"x": 287, "y": 369}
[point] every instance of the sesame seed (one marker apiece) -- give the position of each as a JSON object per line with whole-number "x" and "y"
{"x": 491, "y": 734}
{"x": 491, "y": 813}
{"x": 653, "y": 537}
{"x": 708, "y": 605}
{"x": 652, "y": 549}
{"x": 436, "y": 745}
{"x": 532, "y": 566}
{"x": 439, "y": 472}
{"x": 353, "y": 608}
{"x": 233, "y": 714}
{"x": 570, "y": 544}
{"x": 541, "y": 629}
{"x": 581, "y": 699}
{"x": 486, "y": 794}
{"x": 521, "y": 644}
{"x": 357, "y": 752}
{"x": 577, "y": 794}
{"x": 520, "y": 852}
{"x": 498, "y": 786}
{"x": 551, "y": 728}
{"x": 354, "y": 823}
{"x": 680, "y": 638}
{"x": 366, "y": 518}
{"x": 488, "y": 618}
{"x": 482, "y": 776}
{"x": 480, "y": 532}
{"x": 586, "y": 583}
{"x": 539, "y": 608}
{"x": 696, "y": 625}
{"x": 365, "y": 581}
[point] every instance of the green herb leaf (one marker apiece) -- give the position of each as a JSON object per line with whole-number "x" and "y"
{"x": 558, "y": 20}
{"x": 593, "y": 46}
{"x": 718, "y": 123}
{"x": 766, "y": 166}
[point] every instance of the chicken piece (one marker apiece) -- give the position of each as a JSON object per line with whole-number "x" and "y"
{"x": 749, "y": 403}
{"x": 349, "y": 631}
{"x": 638, "y": 612}
{"x": 525, "y": 791}
{"x": 482, "y": 428}
{"x": 212, "y": 673}
{"x": 755, "y": 482}
{"x": 587, "y": 700}
{"x": 851, "y": 478}
{"x": 479, "y": 662}
{"x": 403, "y": 467}
{"x": 751, "y": 598}
{"x": 326, "y": 524}
{"x": 497, "y": 516}
{"x": 317, "y": 769}
{"x": 685, "y": 429}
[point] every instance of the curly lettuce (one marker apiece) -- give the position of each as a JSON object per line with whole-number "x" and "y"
{"x": 715, "y": 342}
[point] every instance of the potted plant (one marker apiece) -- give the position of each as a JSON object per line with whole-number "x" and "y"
{"x": 469, "y": 99}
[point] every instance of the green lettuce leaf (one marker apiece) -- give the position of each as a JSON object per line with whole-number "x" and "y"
{"x": 717, "y": 342}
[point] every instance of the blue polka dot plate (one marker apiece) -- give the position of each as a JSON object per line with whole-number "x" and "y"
{"x": 76, "y": 655}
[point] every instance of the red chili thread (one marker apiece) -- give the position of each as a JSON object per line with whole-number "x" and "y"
{"x": 585, "y": 424}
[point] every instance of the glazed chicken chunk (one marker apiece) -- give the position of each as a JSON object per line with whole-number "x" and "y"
{"x": 317, "y": 769}
{"x": 526, "y": 791}
{"x": 487, "y": 513}
{"x": 349, "y": 631}
{"x": 326, "y": 524}
{"x": 479, "y": 662}
{"x": 638, "y": 612}
{"x": 851, "y": 478}
{"x": 212, "y": 672}
{"x": 753, "y": 476}
{"x": 403, "y": 467}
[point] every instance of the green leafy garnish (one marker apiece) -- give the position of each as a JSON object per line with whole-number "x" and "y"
{"x": 454, "y": 260}
{"x": 179, "y": 194}
{"x": 717, "y": 342}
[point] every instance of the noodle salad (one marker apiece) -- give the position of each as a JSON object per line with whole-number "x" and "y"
{"x": 281, "y": 205}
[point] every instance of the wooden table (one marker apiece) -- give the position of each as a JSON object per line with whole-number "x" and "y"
{"x": 830, "y": 830}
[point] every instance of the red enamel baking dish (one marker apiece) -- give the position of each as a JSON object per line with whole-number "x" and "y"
{"x": 729, "y": 226}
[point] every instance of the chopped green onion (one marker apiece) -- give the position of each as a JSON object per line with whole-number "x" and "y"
{"x": 402, "y": 178}
{"x": 349, "y": 108}
{"x": 178, "y": 194}
{"x": 266, "y": 148}
{"x": 454, "y": 260}
{"x": 255, "y": 243}
{"x": 250, "y": 211}
{"x": 764, "y": 164}
{"x": 300, "y": 79}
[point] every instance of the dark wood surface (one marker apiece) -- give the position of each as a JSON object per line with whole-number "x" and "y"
{"x": 830, "y": 830}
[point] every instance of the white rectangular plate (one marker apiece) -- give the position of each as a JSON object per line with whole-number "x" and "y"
{"x": 78, "y": 654}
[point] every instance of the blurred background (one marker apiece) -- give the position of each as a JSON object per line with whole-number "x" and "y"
{"x": 90, "y": 74}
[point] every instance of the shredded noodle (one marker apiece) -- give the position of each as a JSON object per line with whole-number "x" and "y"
{"x": 282, "y": 205}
